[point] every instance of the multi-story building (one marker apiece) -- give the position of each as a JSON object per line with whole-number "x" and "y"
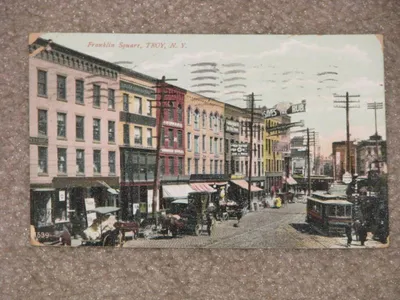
{"x": 74, "y": 157}
{"x": 204, "y": 135}
{"x": 371, "y": 153}
{"x": 136, "y": 138}
{"x": 232, "y": 134}
{"x": 339, "y": 154}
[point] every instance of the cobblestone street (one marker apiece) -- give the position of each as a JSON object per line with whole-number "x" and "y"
{"x": 266, "y": 228}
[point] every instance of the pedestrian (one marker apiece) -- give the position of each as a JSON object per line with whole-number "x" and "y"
{"x": 348, "y": 234}
{"x": 239, "y": 214}
{"x": 362, "y": 233}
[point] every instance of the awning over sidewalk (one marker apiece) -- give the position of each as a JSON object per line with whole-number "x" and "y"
{"x": 291, "y": 181}
{"x": 202, "y": 187}
{"x": 245, "y": 185}
{"x": 176, "y": 191}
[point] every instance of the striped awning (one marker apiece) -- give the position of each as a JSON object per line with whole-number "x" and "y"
{"x": 202, "y": 187}
{"x": 245, "y": 185}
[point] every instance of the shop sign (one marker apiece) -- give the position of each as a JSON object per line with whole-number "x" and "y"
{"x": 240, "y": 149}
{"x": 232, "y": 126}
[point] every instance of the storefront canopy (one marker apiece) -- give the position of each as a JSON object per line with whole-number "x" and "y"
{"x": 245, "y": 185}
{"x": 177, "y": 191}
{"x": 291, "y": 181}
{"x": 202, "y": 187}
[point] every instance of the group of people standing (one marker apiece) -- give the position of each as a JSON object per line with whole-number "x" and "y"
{"x": 360, "y": 229}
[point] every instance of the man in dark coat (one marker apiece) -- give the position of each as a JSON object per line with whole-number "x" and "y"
{"x": 348, "y": 234}
{"x": 362, "y": 233}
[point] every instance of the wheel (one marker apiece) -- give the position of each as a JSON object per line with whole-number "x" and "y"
{"x": 197, "y": 229}
{"x": 109, "y": 240}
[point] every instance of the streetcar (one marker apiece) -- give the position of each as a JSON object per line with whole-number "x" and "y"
{"x": 328, "y": 213}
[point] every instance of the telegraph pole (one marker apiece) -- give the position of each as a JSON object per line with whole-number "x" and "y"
{"x": 375, "y": 106}
{"x": 347, "y": 107}
{"x": 308, "y": 162}
{"x": 156, "y": 183}
{"x": 251, "y": 147}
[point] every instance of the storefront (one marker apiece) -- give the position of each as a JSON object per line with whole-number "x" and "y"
{"x": 174, "y": 192}
{"x": 274, "y": 180}
{"x": 239, "y": 191}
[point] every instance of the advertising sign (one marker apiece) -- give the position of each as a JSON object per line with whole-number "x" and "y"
{"x": 90, "y": 204}
{"x": 238, "y": 149}
{"x": 232, "y": 126}
{"x": 295, "y": 108}
{"x": 281, "y": 147}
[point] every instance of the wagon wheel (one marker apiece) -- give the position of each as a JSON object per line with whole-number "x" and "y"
{"x": 109, "y": 240}
{"x": 197, "y": 229}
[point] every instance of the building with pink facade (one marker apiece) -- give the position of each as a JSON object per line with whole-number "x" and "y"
{"x": 74, "y": 156}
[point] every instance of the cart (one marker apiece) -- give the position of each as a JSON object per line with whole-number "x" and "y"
{"x": 106, "y": 230}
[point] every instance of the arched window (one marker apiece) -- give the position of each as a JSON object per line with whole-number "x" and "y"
{"x": 171, "y": 111}
{"x": 196, "y": 119}
{"x": 211, "y": 121}
{"x": 221, "y": 123}
{"x": 189, "y": 115}
{"x": 179, "y": 113}
{"x": 216, "y": 122}
{"x": 204, "y": 119}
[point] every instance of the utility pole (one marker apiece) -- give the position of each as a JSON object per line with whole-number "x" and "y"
{"x": 156, "y": 183}
{"x": 251, "y": 146}
{"x": 347, "y": 107}
{"x": 375, "y": 106}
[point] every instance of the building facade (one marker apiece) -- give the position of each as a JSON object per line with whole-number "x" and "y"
{"x": 74, "y": 157}
{"x": 136, "y": 132}
{"x": 204, "y": 135}
{"x": 371, "y": 155}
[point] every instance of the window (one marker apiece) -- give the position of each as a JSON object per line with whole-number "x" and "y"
{"x": 180, "y": 141}
{"x": 221, "y": 147}
{"x": 42, "y": 122}
{"x": 162, "y": 136}
{"x": 80, "y": 127}
{"x": 196, "y": 144}
{"x": 149, "y": 137}
{"x": 216, "y": 120}
{"x": 220, "y": 167}
{"x": 42, "y": 83}
{"x": 170, "y": 138}
{"x": 125, "y": 102}
{"x": 189, "y": 141}
{"x": 62, "y": 160}
{"x": 111, "y": 99}
{"x": 79, "y": 91}
{"x": 80, "y": 161}
{"x": 196, "y": 119}
{"x": 180, "y": 118}
{"x": 149, "y": 108}
{"x": 204, "y": 166}
{"x": 111, "y": 161}
{"x": 241, "y": 128}
{"x": 171, "y": 111}
{"x": 126, "y": 134}
{"x": 96, "y": 129}
{"x": 215, "y": 145}
{"x": 138, "y": 135}
{"x": 137, "y": 107}
{"x": 171, "y": 165}
{"x": 211, "y": 166}
{"x": 220, "y": 123}
{"x": 259, "y": 151}
{"x": 211, "y": 146}
{"x": 189, "y": 116}
{"x": 111, "y": 131}
{"x": 96, "y": 95}
{"x": 180, "y": 165}
{"x": 97, "y": 161}
{"x": 255, "y": 168}
{"x": 42, "y": 163}
{"x": 203, "y": 143}
{"x": 203, "y": 119}
{"x": 162, "y": 165}
{"x": 237, "y": 167}
{"x": 216, "y": 166}
{"x": 241, "y": 167}
{"x": 61, "y": 87}
{"x": 61, "y": 125}
{"x": 211, "y": 121}
{"x": 196, "y": 166}
{"x": 189, "y": 162}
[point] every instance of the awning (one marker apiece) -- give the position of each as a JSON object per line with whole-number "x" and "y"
{"x": 176, "y": 191}
{"x": 202, "y": 187}
{"x": 291, "y": 181}
{"x": 245, "y": 185}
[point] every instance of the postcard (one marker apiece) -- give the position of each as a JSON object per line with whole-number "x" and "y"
{"x": 207, "y": 141}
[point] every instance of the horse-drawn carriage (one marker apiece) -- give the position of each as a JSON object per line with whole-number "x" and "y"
{"x": 106, "y": 230}
{"x": 199, "y": 213}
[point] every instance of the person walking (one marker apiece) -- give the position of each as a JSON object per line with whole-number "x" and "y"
{"x": 348, "y": 234}
{"x": 362, "y": 233}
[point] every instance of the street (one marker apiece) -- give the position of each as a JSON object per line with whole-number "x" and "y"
{"x": 265, "y": 228}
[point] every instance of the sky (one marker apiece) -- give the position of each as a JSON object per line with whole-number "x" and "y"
{"x": 276, "y": 68}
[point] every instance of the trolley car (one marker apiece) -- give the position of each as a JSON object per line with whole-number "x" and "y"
{"x": 328, "y": 213}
